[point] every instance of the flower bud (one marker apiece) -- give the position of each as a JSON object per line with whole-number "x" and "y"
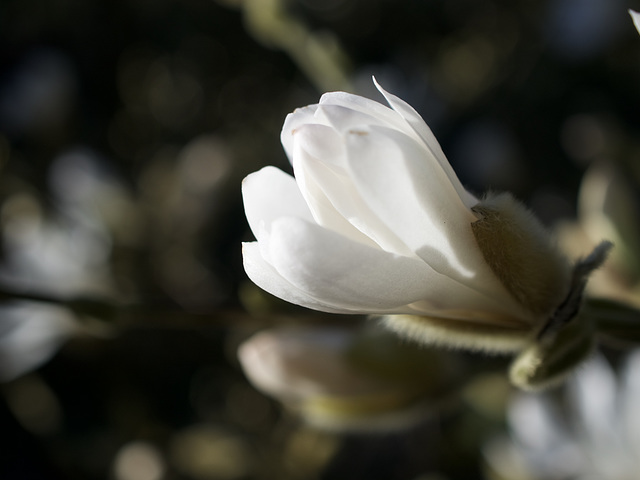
{"x": 519, "y": 251}
{"x": 547, "y": 361}
{"x": 343, "y": 379}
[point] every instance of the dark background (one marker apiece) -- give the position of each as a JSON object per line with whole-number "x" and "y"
{"x": 128, "y": 126}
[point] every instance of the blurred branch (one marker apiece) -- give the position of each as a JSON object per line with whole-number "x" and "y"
{"x": 134, "y": 315}
{"x": 319, "y": 55}
{"x": 617, "y": 324}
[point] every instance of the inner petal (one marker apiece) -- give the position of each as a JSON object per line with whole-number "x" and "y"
{"x": 330, "y": 193}
{"x": 420, "y": 127}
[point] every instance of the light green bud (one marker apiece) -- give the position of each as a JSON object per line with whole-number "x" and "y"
{"x": 547, "y": 361}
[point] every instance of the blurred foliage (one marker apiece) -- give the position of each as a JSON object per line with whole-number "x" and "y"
{"x": 126, "y": 128}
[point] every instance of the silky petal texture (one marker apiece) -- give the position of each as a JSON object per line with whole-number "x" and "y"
{"x": 422, "y": 209}
{"x": 293, "y": 121}
{"x": 327, "y": 113}
{"x": 401, "y": 117}
{"x": 353, "y": 115}
{"x": 266, "y": 277}
{"x": 269, "y": 194}
{"x": 326, "y": 186}
{"x": 350, "y": 114}
{"x": 354, "y": 277}
{"x": 330, "y": 193}
{"x": 393, "y": 197}
{"x": 422, "y": 129}
{"x": 403, "y": 191}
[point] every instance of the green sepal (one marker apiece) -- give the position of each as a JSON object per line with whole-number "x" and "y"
{"x": 549, "y": 358}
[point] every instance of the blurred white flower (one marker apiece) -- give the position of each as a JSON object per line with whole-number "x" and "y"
{"x": 594, "y": 435}
{"x": 345, "y": 379}
{"x": 63, "y": 257}
{"x": 607, "y": 206}
{"x": 377, "y": 222}
{"x": 59, "y": 257}
{"x": 635, "y": 16}
{"x": 30, "y": 334}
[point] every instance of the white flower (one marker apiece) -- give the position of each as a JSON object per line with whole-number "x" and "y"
{"x": 377, "y": 222}
{"x": 635, "y": 16}
{"x": 345, "y": 379}
{"x": 30, "y": 334}
{"x": 594, "y": 434}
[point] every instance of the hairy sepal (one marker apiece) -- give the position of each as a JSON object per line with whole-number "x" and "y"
{"x": 521, "y": 253}
{"x": 459, "y": 333}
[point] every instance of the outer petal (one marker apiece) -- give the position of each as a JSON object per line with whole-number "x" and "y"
{"x": 269, "y": 194}
{"x": 297, "y": 118}
{"x": 266, "y": 277}
{"x": 422, "y": 129}
{"x": 348, "y": 275}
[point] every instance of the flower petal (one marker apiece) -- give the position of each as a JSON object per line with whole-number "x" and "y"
{"x": 297, "y": 118}
{"x": 635, "y": 16}
{"x": 409, "y": 195}
{"x": 327, "y": 188}
{"x": 343, "y": 119}
{"x": 417, "y": 123}
{"x": 268, "y": 194}
{"x": 367, "y": 107}
{"x": 592, "y": 391}
{"x": 417, "y": 202}
{"x": 266, "y": 277}
{"x": 347, "y": 275}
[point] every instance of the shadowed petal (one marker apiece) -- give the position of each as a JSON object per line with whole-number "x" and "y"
{"x": 416, "y": 122}
{"x": 415, "y": 200}
{"x": 417, "y": 203}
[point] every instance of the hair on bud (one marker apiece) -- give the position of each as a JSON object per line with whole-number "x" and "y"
{"x": 520, "y": 252}
{"x": 486, "y": 335}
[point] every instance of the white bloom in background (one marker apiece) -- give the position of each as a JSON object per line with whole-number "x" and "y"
{"x": 377, "y": 222}
{"x": 593, "y": 435}
{"x": 30, "y": 334}
{"x": 606, "y": 206}
{"x": 54, "y": 257}
{"x": 635, "y": 16}
{"x": 344, "y": 379}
